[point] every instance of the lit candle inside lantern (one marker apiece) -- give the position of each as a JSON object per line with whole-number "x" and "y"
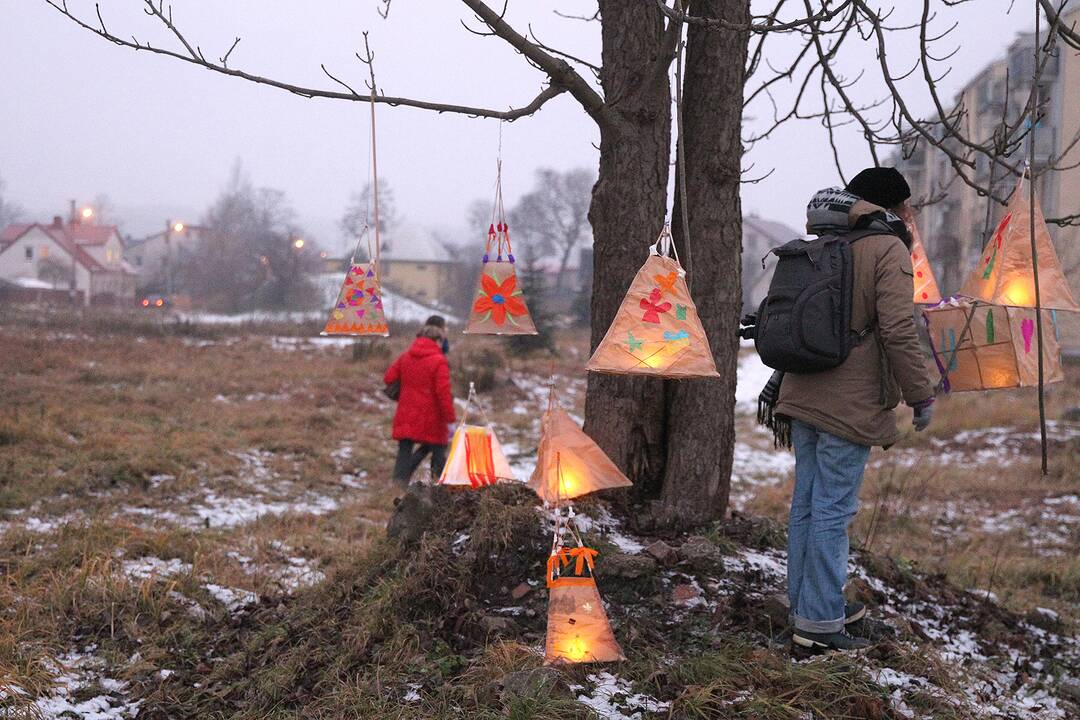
{"x": 1020, "y": 292}
{"x": 576, "y": 649}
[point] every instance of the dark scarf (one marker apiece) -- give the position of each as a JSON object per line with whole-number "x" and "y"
{"x": 766, "y": 412}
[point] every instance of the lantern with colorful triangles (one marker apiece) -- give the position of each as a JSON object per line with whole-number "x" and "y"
{"x": 358, "y": 310}
{"x": 656, "y": 330}
{"x": 498, "y": 307}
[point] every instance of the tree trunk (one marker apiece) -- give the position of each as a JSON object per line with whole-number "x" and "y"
{"x": 625, "y": 415}
{"x": 702, "y": 413}
{"x": 674, "y": 439}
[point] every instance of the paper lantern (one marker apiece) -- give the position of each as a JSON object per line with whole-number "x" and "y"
{"x": 578, "y": 630}
{"x": 476, "y": 459}
{"x": 998, "y": 350}
{"x": 656, "y": 330}
{"x": 1004, "y": 273}
{"x": 926, "y": 287}
{"x": 568, "y": 463}
{"x": 359, "y": 308}
{"x": 498, "y": 307}
{"x": 499, "y": 304}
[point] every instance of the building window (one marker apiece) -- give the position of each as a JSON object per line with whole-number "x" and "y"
{"x": 29, "y": 253}
{"x": 43, "y": 251}
{"x": 421, "y": 267}
{"x": 138, "y": 260}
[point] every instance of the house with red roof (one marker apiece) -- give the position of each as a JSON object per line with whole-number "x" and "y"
{"x": 76, "y": 255}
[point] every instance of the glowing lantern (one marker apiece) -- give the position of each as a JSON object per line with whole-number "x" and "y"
{"x": 358, "y": 310}
{"x": 568, "y": 463}
{"x": 926, "y": 287}
{"x": 1004, "y": 274}
{"x": 499, "y": 304}
{"x": 476, "y": 459}
{"x": 996, "y": 348}
{"x": 656, "y": 330}
{"x": 578, "y": 630}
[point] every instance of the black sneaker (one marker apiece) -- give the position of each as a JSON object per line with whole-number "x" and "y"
{"x": 854, "y": 612}
{"x": 829, "y": 641}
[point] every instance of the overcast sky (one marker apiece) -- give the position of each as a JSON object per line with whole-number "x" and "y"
{"x": 82, "y": 117}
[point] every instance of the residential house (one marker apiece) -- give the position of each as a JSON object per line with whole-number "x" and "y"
{"x": 419, "y": 266}
{"x": 156, "y": 257}
{"x": 759, "y": 236}
{"x": 76, "y": 255}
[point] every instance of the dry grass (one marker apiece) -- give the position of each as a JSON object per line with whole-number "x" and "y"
{"x": 116, "y": 435}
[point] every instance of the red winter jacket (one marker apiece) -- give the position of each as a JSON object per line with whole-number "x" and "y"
{"x": 425, "y": 406}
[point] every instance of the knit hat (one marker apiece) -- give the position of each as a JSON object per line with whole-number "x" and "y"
{"x": 827, "y": 212}
{"x": 436, "y": 320}
{"x": 883, "y": 186}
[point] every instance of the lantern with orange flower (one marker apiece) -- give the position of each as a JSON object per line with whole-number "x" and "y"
{"x": 499, "y": 304}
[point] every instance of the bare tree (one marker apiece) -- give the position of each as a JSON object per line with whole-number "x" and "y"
{"x": 358, "y": 214}
{"x": 9, "y": 211}
{"x": 553, "y": 217}
{"x": 252, "y": 254}
{"x": 59, "y": 272}
{"x": 676, "y": 440}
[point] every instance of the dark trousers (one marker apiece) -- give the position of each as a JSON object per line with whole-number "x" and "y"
{"x": 411, "y": 454}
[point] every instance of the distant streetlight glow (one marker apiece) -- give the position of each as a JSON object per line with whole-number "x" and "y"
{"x": 178, "y": 227}
{"x": 298, "y": 243}
{"x": 87, "y": 213}
{"x": 322, "y": 254}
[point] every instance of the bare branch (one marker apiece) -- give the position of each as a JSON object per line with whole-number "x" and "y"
{"x": 192, "y": 56}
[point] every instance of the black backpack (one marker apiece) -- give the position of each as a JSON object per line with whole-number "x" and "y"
{"x": 804, "y": 323}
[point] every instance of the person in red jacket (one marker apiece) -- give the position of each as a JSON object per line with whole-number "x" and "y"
{"x": 425, "y": 409}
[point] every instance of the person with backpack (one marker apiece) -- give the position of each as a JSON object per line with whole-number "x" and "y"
{"x": 425, "y": 409}
{"x": 838, "y": 325}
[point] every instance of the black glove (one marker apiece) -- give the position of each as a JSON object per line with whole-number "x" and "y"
{"x": 924, "y": 414}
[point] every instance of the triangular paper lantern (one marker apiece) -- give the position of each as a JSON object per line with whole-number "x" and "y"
{"x": 998, "y": 350}
{"x": 926, "y": 287}
{"x": 359, "y": 307}
{"x": 476, "y": 459}
{"x": 656, "y": 330}
{"x": 578, "y": 630}
{"x": 1004, "y": 274}
{"x": 569, "y": 464}
{"x": 499, "y": 305}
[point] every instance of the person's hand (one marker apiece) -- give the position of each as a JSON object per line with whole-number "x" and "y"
{"x": 924, "y": 414}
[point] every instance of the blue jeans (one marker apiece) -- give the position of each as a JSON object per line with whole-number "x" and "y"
{"x": 828, "y": 472}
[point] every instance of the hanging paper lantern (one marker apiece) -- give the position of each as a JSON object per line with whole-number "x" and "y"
{"x": 656, "y": 330}
{"x": 578, "y": 630}
{"x": 1004, "y": 274}
{"x": 498, "y": 306}
{"x": 476, "y": 459}
{"x": 987, "y": 347}
{"x": 569, "y": 464}
{"x": 359, "y": 307}
{"x": 926, "y": 287}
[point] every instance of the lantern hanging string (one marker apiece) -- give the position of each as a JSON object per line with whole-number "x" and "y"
{"x": 680, "y": 156}
{"x": 1034, "y": 124}
{"x": 375, "y": 181}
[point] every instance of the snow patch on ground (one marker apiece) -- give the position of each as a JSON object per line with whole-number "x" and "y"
{"x": 75, "y": 671}
{"x": 613, "y": 698}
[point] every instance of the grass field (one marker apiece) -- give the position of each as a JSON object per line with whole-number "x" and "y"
{"x": 166, "y": 490}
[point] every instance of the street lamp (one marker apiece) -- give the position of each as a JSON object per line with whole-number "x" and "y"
{"x": 178, "y": 227}
{"x": 298, "y": 243}
{"x": 87, "y": 213}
